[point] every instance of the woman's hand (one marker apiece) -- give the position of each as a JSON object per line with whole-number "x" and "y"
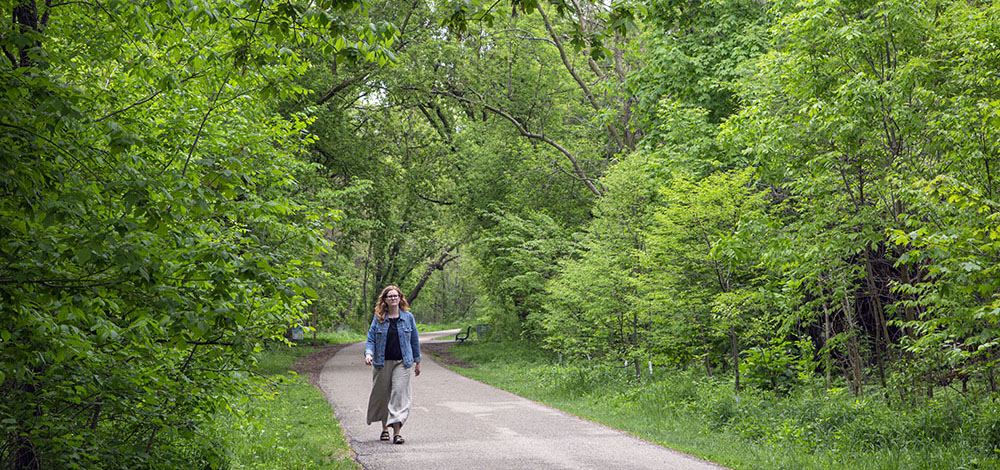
{"x": 368, "y": 359}
{"x": 416, "y": 369}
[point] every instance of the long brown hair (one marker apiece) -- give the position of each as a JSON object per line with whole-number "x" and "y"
{"x": 381, "y": 306}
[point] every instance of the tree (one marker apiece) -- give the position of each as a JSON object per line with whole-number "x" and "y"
{"x": 704, "y": 252}
{"x": 149, "y": 243}
{"x": 596, "y": 307}
{"x": 695, "y": 53}
{"x": 856, "y": 105}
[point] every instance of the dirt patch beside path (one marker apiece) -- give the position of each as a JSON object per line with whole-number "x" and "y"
{"x": 312, "y": 364}
{"x": 442, "y": 353}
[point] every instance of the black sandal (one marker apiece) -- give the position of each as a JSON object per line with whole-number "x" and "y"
{"x": 384, "y": 436}
{"x": 397, "y": 439}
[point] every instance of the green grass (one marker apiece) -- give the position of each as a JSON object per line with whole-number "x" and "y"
{"x": 331, "y": 337}
{"x": 425, "y": 327}
{"x": 289, "y": 425}
{"x": 758, "y": 430}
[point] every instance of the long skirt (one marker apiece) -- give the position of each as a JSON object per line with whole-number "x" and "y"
{"x": 391, "y": 394}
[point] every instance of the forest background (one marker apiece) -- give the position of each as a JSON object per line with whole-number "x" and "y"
{"x": 777, "y": 199}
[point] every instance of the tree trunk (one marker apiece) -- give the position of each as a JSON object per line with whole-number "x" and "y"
{"x": 736, "y": 357}
{"x": 826, "y": 341}
{"x": 635, "y": 343}
{"x": 854, "y": 351}
{"x": 364, "y": 284}
{"x": 25, "y": 455}
{"x": 442, "y": 260}
{"x": 881, "y": 345}
{"x": 315, "y": 324}
{"x": 911, "y": 315}
{"x": 638, "y": 371}
{"x": 612, "y": 130}
{"x": 704, "y": 348}
{"x": 350, "y": 308}
{"x": 25, "y": 15}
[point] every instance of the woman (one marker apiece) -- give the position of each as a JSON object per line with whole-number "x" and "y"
{"x": 393, "y": 348}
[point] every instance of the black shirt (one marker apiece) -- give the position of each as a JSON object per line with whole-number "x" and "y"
{"x": 392, "y": 351}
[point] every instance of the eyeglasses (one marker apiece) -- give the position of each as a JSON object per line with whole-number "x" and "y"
{"x": 392, "y": 296}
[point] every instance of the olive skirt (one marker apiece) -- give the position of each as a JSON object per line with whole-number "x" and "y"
{"x": 391, "y": 394}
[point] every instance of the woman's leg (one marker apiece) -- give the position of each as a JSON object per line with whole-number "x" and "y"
{"x": 400, "y": 397}
{"x": 378, "y": 401}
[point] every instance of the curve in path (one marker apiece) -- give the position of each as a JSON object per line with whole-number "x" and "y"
{"x": 459, "y": 423}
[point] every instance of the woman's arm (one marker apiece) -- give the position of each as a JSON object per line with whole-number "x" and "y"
{"x": 370, "y": 343}
{"x": 415, "y": 345}
{"x": 415, "y": 340}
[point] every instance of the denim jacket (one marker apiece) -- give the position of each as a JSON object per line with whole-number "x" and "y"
{"x": 409, "y": 343}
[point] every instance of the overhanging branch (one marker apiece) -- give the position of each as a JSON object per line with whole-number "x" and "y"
{"x": 531, "y": 135}
{"x": 340, "y": 86}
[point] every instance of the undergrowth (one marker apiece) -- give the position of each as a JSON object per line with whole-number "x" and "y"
{"x": 288, "y": 424}
{"x": 807, "y": 428}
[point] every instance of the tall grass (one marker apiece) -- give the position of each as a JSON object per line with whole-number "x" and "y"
{"x": 810, "y": 428}
{"x": 288, "y": 424}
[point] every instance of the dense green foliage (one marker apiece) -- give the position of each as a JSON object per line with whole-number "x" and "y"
{"x": 811, "y": 206}
{"x": 153, "y": 234}
{"x": 839, "y": 221}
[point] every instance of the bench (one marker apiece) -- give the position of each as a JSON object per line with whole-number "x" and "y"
{"x": 460, "y": 337}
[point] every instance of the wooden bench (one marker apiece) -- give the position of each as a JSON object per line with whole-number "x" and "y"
{"x": 460, "y": 337}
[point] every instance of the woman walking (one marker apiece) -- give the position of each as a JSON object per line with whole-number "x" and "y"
{"x": 393, "y": 349}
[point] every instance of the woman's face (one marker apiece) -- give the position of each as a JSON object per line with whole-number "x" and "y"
{"x": 392, "y": 298}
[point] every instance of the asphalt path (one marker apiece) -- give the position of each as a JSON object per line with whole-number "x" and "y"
{"x": 459, "y": 423}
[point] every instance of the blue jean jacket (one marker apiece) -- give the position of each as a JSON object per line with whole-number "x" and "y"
{"x": 409, "y": 342}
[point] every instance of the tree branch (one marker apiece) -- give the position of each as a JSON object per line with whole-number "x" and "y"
{"x": 406, "y": 21}
{"x": 70, "y": 155}
{"x": 525, "y": 35}
{"x": 433, "y": 123}
{"x": 137, "y": 103}
{"x": 446, "y": 203}
{"x": 89, "y": 4}
{"x": 340, "y": 86}
{"x": 13, "y": 60}
{"x": 444, "y": 258}
{"x": 576, "y": 76}
{"x": 199, "y": 343}
{"x": 531, "y": 135}
{"x": 201, "y": 126}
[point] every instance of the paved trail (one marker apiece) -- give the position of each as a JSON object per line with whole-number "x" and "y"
{"x": 459, "y": 423}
